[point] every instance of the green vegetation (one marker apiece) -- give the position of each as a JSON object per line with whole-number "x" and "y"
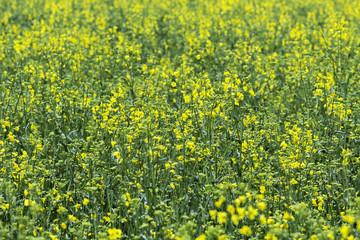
{"x": 183, "y": 119}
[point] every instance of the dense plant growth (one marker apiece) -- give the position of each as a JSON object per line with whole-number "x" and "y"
{"x": 183, "y": 119}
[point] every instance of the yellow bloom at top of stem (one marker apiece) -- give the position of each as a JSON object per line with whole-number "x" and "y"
{"x": 213, "y": 214}
{"x": 86, "y": 201}
{"x": 245, "y": 230}
{"x": 349, "y": 219}
{"x": 223, "y": 237}
{"x": 270, "y": 236}
{"x": 114, "y": 233}
{"x": 252, "y": 212}
{"x": 230, "y": 209}
{"x": 345, "y": 230}
{"x": 72, "y": 218}
{"x": 293, "y": 181}
{"x": 222, "y": 217}
{"x": 287, "y": 216}
{"x": 220, "y": 202}
{"x": 261, "y": 206}
{"x": 63, "y": 225}
{"x": 117, "y": 155}
{"x": 201, "y": 237}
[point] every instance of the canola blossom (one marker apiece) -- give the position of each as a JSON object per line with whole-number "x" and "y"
{"x": 180, "y": 120}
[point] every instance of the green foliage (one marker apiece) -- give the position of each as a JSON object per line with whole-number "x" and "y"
{"x": 193, "y": 119}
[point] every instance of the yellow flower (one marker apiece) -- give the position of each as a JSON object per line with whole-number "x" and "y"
{"x": 287, "y": 216}
{"x": 77, "y": 206}
{"x": 235, "y": 219}
{"x": 237, "y": 202}
{"x": 63, "y": 225}
{"x": 262, "y": 219}
{"x": 223, "y": 237}
{"x": 28, "y": 202}
{"x": 252, "y": 213}
{"x": 344, "y": 230}
{"x": 261, "y": 206}
{"x": 222, "y": 216}
{"x": 349, "y": 219}
{"x": 293, "y": 181}
{"x": 351, "y": 237}
{"x": 117, "y": 155}
{"x": 213, "y": 214}
{"x": 53, "y": 237}
{"x": 244, "y": 146}
{"x": 114, "y": 233}
{"x": 331, "y": 236}
{"x": 262, "y": 189}
{"x": 230, "y": 209}
{"x": 220, "y": 202}
{"x": 271, "y": 236}
{"x": 241, "y": 212}
{"x": 242, "y": 199}
{"x": 260, "y": 196}
{"x": 5, "y": 206}
{"x": 283, "y": 145}
{"x": 201, "y": 237}
{"x": 86, "y": 201}
{"x": 72, "y": 218}
{"x": 245, "y": 230}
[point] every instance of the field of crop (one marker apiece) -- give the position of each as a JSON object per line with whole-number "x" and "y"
{"x": 180, "y": 119}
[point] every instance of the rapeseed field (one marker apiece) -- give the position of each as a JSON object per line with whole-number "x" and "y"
{"x": 180, "y": 119}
